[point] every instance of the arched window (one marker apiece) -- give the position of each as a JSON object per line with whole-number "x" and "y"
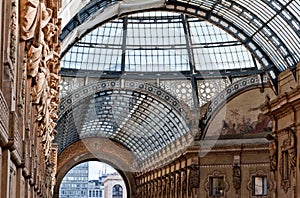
{"x": 117, "y": 191}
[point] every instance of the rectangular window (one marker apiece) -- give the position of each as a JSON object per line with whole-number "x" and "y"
{"x": 217, "y": 186}
{"x": 259, "y": 185}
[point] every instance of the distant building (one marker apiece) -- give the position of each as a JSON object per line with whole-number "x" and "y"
{"x": 114, "y": 187}
{"x": 95, "y": 189}
{"x": 75, "y": 183}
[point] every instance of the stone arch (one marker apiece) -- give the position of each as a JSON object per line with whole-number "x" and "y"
{"x": 100, "y": 149}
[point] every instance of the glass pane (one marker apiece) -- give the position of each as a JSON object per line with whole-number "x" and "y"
{"x": 217, "y": 186}
{"x": 260, "y": 185}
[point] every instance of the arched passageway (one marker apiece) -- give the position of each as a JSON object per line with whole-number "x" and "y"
{"x": 100, "y": 149}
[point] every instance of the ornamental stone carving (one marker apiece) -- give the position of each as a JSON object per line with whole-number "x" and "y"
{"x": 184, "y": 184}
{"x": 40, "y": 28}
{"x": 217, "y": 174}
{"x": 288, "y": 159}
{"x": 237, "y": 177}
{"x": 194, "y": 180}
{"x": 13, "y": 34}
{"x": 159, "y": 192}
{"x": 273, "y": 148}
{"x": 172, "y": 185}
{"x": 178, "y": 184}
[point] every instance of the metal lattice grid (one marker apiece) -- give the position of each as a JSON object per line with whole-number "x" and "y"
{"x": 142, "y": 123}
{"x": 158, "y": 42}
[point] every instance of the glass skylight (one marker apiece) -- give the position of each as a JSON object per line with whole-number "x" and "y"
{"x": 158, "y": 42}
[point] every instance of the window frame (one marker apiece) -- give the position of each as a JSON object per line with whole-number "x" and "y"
{"x": 212, "y": 190}
{"x": 264, "y": 185}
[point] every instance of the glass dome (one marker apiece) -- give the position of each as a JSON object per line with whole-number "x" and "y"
{"x": 160, "y": 42}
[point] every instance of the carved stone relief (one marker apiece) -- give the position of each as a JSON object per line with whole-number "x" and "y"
{"x": 288, "y": 159}
{"x": 172, "y": 185}
{"x": 178, "y": 184}
{"x": 236, "y": 177}
{"x": 13, "y": 34}
{"x": 273, "y": 149}
{"x": 40, "y": 28}
{"x": 184, "y": 184}
{"x": 194, "y": 180}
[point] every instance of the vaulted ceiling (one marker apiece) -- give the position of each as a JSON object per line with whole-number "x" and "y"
{"x": 201, "y": 41}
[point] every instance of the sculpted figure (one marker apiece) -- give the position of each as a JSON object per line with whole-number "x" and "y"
{"x": 172, "y": 187}
{"x": 178, "y": 186}
{"x": 184, "y": 184}
{"x": 164, "y": 190}
{"x": 167, "y": 186}
{"x": 159, "y": 188}
{"x": 292, "y": 149}
{"x": 273, "y": 152}
{"x": 236, "y": 176}
{"x": 34, "y": 16}
{"x": 34, "y": 56}
{"x": 194, "y": 180}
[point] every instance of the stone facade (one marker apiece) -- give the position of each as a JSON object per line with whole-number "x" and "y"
{"x": 284, "y": 152}
{"x": 28, "y": 96}
{"x": 191, "y": 176}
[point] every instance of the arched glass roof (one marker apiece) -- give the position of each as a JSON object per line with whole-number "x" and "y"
{"x": 143, "y": 118}
{"x": 270, "y": 29}
{"x": 159, "y": 42}
{"x": 176, "y": 46}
